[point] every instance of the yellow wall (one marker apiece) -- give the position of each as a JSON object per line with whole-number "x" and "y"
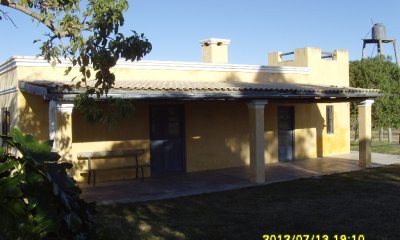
{"x": 34, "y": 115}
{"x": 334, "y": 72}
{"x": 8, "y": 80}
{"x": 311, "y": 137}
{"x": 322, "y": 72}
{"x": 308, "y": 125}
{"x": 216, "y": 135}
{"x": 339, "y": 141}
{"x": 131, "y": 133}
{"x": 57, "y": 74}
{"x": 215, "y": 53}
{"x": 311, "y": 131}
{"x": 216, "y": 131}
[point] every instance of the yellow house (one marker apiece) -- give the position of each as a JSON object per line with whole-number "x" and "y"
{"x": 198, "y": 116}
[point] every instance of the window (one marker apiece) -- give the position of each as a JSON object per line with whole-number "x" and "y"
{"x": 5, "y": 121}
{"x": 329, "y": 119}
{"x": 5, "y": 124}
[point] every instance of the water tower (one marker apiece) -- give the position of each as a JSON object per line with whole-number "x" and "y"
{"x": 378, "y": 38}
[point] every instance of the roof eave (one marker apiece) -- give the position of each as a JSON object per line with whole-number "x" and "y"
{"x": 69, "y": 94}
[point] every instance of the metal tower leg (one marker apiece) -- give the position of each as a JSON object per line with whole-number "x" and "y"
{"x": 395, "y": 51}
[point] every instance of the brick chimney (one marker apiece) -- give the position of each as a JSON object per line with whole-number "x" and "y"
{"x": 215, "y": 50}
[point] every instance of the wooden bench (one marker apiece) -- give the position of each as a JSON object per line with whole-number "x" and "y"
{"x": 135, "y": 153}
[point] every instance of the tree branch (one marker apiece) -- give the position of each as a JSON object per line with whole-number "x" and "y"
{"x": 36, "y": 16}
{"x": 7, "y": 17}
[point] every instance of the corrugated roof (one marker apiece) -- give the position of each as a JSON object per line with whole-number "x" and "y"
{"x": 143, "y": 89}
{"x": 148, "y": 85}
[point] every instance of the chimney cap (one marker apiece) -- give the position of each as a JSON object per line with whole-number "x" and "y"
{"x": 219, "y": 41}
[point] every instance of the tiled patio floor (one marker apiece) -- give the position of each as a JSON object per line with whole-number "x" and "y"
{"x": 223, "y": 179}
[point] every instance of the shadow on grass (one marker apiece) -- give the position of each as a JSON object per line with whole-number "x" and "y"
{"x": 362, "y": 202}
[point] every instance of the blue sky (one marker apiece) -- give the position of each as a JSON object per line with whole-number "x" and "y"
{"x": 255, "y": 27}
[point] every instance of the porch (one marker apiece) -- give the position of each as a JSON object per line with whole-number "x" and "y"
{"x": 200, "y": 125}
{"x": 224, "y": 179}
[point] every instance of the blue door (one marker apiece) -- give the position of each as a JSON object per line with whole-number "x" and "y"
{"x": 285, "y": 133}
{"x": 167, "y": 151}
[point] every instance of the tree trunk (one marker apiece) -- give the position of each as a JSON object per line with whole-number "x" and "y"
{"x": 380, "y": 134}
{"x": 390, "y": 136}
{"x": 356, "y": 133}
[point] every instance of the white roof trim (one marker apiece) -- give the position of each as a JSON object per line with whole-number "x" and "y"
{"x": 28, "y": 61}
{"x": 8, "y": 90}
{"x": 193, "y": 66}
{"x": 25, "y": 61}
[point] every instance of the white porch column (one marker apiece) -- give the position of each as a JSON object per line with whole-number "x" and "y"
{"x": 60, "y": 127}
{"x": 364, "y": 127}
{"x": 257, "y": 142}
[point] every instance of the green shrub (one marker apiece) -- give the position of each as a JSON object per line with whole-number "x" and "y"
{"x": 38, "y": 199}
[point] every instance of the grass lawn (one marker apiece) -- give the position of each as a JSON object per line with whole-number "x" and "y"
{"x": 387, "y": 148}
{"x": 362, "y": 202}
{"x": 381, "y": 147}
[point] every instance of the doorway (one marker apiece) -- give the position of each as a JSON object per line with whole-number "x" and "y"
{"x": 285, "y": 133}
{"x": 167, "y": 150}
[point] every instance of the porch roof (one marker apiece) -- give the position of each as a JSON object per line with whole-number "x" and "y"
{"x": 148, "y": 89}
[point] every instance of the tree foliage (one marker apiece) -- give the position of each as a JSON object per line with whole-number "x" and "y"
{"x": 87, "y": 33}
{"x": 379, "y": 73}
{"x": 38, "y": 199}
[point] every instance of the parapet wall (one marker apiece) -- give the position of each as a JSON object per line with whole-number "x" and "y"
{"x": 330, "y": 69}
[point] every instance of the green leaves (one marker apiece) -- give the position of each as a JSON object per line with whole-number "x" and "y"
{"x": 9, "y": 187}
{"x": 90, "y": 38}
{"x": 37, "y": 197}
{"x": 379, "y": 73}
{"x": 37, "y": 152}
{"x": 108, "y": 114}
